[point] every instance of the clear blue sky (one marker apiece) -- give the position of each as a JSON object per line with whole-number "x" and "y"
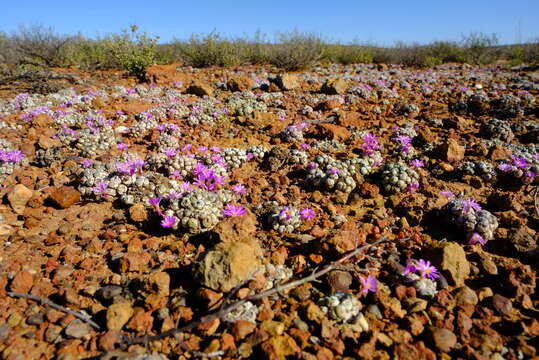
{"x": 376, "y": 21}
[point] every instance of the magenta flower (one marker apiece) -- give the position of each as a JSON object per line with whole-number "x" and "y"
{"x": 306, "y": 213}
{"x": 100, "y": 189}
{"x": 250, "y": 156}
{"x": 370, "y": 144}
{"x": 175, "y": 195}
{"x": 475, "y": 238}
{"x": 185, "y": 186}
{"x": 171, "y": 152}
{"x": 505, "y": 167}
{"x": 86, "y": 163}
{"x": 334, "y": 170}
{"x": 410, "y": 269}
{"x": 215, "y": 149}
{"x": 448, "y": 194}
{"x": 427, "y": 270}
{"x": 231, "y": 210}
{"x": 304, "y": 146}
{"x": 121, "y": 146}
{"x": 187, "y": 147}
{"x": 312, "y": 165}
{"x": 530, "y": 175}
{"x": 417, "y": 163}
{"x": 154, "y": 202}
{"x": 412, "y": 187}
{"x": 520, "y": 162}
{"x": 285, "y": 214}
{"x": 468, "y": 205}
{"x": 238, "y": 189}
{"x": 203, "y": 149}
{"x": 168, "y": 222}
{"x": 368, "y": 283}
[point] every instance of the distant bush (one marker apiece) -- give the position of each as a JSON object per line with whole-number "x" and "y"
{"x": 134, "y": 51}
{"x": 296, "y": 51}
{"x": 446, "y": 51}
{"x": 531, "y": 52}
{"x": 90, "y": 54}
{"x": 347, "y": 54}
{"x": 479, "y": 48}
{"x": 40, "y": 45}
{"x": 210, "y": 50}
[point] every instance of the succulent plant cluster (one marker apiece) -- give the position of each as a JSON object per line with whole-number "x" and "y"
{"x": 398, "y": 177}
{"x": 468, "y": 216}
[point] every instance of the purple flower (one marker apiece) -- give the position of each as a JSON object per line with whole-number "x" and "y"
{"x": 520, "y": 162}
{"x": 306, "y": 213}
{"x": 334, "y": 171}
{"x": 370, "y": 144}
{"x": 285, "y": 214}
{"x": 427, "y": 270}
{"x": 368, "y": 283}
{"x": 215, "y": 149}
{"x": 410, "y": 269}
{"x": 154, "y": 201}
{"x": 448, "y": 194}
{"x": 187, "y": 147}
{"x": 417, "y": 163}
{"x": 185, "y": 186}
{"x": 412, "y": 187}
{"x": 530, "y": 175}
{"x": 250, "y": 156}
{"x": 231, "y": 210}
{"x": 121, "y": 146}
{"x": 171, "y": 152}
{"x": 101, "y": 188}
{"x": 238, "y": 189}
{"x": 86, "y": 163}
{"x": 468, "y": 205}
{"x": 505, "y": 167}
{"x": 175, "y": 195}
{"x": 168, "y": 222}
{"x": 203, "y": 149}
{"x": 474, "y": 238}
{"x": 304, "y": 146}
{"x": 312, "y": 165}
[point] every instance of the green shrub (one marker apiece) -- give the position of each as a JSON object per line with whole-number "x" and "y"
{"x": 90, "y": 54}
{"x": 134, "y": 51}
{"x": 210, "y": 50}
{"x": 296, "y": 51}
{"x": 39, "y": 45}
{"x": 479, "y": 48}
{"x": 446, "y": 51}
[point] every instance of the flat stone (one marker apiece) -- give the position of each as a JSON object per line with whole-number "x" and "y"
{"x": 443, "y": 339}
{"x": 77, "y": 329}
{"x": 18, "y": 197}
{"x": 118, "y": 315}
{"x": 65, "y": 196}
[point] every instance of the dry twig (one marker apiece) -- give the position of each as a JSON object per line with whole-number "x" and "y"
{"x": 47, "y": 302}
{"x": 277, "y": 289}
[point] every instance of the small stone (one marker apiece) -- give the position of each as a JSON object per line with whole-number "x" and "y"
{"x": 77, "y": 329}
{"x": 35, "y": 319}
{"x": 451, "y": 151}
{"x": 287, "y": 81}
{"x": 451, "y": 260}
{"x": 240, "y": 83}
{"x": 242, "y": 328}
{"x": 279, "y": 347}
{"x": 200, "y": 88}
{"x": 18, "y": 197}
{"x": 227, "y": 265}
{"x": 110, "y": 340}
{"x": 443, "y": 339}
{"x": 502, "y": 304}
{"x": 138, "y": 212}
{"x": 65, "y": 196}
{"x": 484, "y": 293}
{"x": 465, "y": 296}
{"x": 118, "y": 315}
{"x": 160, "y": 282}
{"x": 237, "y": 228}
{"x": 415, "y": 304}
{"x": 339, "y": 281}
{"x": 489, "y": 266}
{"x": 335, "y": 86}
{"x": 22, "y": 282}
{"x": 52, "y": 334}
{"x": 274, "y": 328}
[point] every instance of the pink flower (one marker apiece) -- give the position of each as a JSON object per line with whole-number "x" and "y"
{"x": 417, "y": 163}
{"x": 86, "y": 163}
{"x": 121, "y": 146}
{"x": 304, "y": 146}
{"x": 285, "y": 214}
{"x": 448, "y": 194}
{"x": 368, "y": 283}
{"x": 370, "y": 144}
{"x": 475, "y": 238}
{"x": 231, "y": 210}
{"x": 238, "y": 189}
{"x": 412, "y": 188}
{"x": 410, "y": 269}
{"x": 306, "y": 214}
{"x": 100, "y": 189}
{"x": 171, "y": 152}
{"x": 154, "y": 202}
{"x": 168, "y": 222}
{"x": 468, "y": 205}
{"x": 427, "y": 270}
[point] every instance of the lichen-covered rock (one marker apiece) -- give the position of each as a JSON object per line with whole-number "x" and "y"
{"x": 227, "y": 265}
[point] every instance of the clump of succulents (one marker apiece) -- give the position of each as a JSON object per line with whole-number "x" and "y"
{"x": 342, "y": 307}
{"x": 257, "y": 152}
{"x": 468, "y": 216}
{"x": 294, "y": 133}
{"x": 482, "y": 169}
{"x": 233, "y": 157}
{"x": 10, "y": 159}
{"x": 497, "y": 129}
{"x": 207, "y": 111}
{"x": 285, "y": 219}
{"x": 525, "y": 169}
{"x": 245, "y": 103}
{"x": 423, "y": 275}
{"x": 398, "y": 177}
{"x": 329, "y": 174}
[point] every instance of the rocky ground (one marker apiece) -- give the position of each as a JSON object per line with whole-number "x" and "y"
{"x": 131, "y": 210}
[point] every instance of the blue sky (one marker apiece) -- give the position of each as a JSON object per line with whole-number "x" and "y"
{"x": 380, "y": 22}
